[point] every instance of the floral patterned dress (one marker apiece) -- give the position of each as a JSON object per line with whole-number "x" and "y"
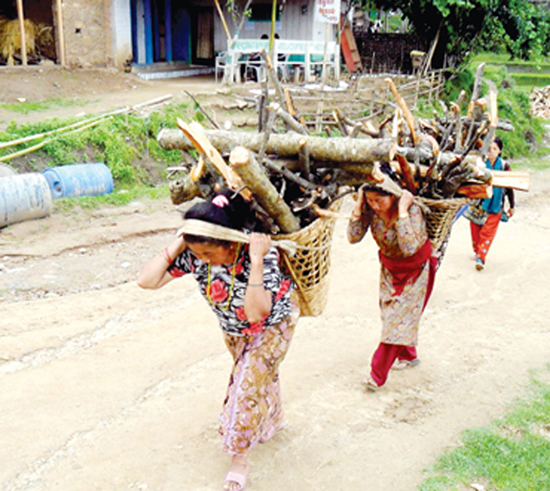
{"x": 400, "y": 313}
{"x": 252, "y": 410}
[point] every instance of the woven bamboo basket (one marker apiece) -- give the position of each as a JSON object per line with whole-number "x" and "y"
{"x": 440, "y": 217}
{"x": 310, "y": 266}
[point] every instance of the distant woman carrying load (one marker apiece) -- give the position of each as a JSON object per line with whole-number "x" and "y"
{"x": 407, "y": 271}
{"x": 244, "y": 286}
{"x": 484, "y": 219}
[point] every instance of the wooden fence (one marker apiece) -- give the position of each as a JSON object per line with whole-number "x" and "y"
{"x": 366, "y": 99}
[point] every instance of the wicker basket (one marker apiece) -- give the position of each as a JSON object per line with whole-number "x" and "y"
{"x": 440, "y": 217}
{"x": 310, "y": 266}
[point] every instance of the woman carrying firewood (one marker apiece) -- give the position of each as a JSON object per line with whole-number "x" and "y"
{"x": 485, "y": 219}
{"x": 243, "y": 284}
{"x": 407, "y": 271}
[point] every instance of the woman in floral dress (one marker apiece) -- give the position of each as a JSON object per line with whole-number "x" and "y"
{"x": 243, "y": 285}
{"x": 407, "y": 271}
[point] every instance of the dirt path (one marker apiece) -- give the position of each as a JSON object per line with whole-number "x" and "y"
{"x": 85, "y": 92}
{"x": 105, "y": 386}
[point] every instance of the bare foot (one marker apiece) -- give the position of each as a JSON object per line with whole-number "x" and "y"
{"x": 238, "y": 472}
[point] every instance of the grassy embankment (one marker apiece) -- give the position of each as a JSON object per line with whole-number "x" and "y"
{"x": 512, "y": 454}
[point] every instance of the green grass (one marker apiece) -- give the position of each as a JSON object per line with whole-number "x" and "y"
{"x": 529, "y": 81}
{"x": 513, "y": 101}
{"x": 27, "y": 107}
{"x": 127, "y": 144}
{"x": 505, "y": 60}
{"x": 512, "y": 454}
{"x": 119, "y": 197}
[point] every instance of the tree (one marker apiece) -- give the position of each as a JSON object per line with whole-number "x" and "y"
{"x": 467, "y": 26}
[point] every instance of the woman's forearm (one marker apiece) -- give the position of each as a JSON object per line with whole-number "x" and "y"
{"x": 257, "y": 300}
{"x": 154, "y": 274}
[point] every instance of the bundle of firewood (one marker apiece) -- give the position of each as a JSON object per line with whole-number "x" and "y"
{"x": 540, "y": 102}
{"x": 291, "y": 176}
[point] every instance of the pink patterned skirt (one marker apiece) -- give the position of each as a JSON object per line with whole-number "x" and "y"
{"x": 252, "y": 410}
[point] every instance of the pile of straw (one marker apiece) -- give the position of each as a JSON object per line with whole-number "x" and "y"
{"x": 10, "y": 38}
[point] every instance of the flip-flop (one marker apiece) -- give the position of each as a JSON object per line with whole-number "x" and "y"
{"x": 234, "y": 477}
{"x": 403, "y": 364}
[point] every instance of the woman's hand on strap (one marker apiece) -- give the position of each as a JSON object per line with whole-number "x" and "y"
{"x": 259, "y": 247}
{"x": 405, "y": 202}
{"x": 357, "y": 211}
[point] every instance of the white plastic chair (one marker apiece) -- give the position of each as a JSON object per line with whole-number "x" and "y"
{"x": 220, "y": 64}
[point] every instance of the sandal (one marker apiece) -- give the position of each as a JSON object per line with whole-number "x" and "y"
{"x": 370, "y": 384}
{"x": 234, "y": 481}
{"x": 479, "y": 264}
{"x": 402, "y": 364}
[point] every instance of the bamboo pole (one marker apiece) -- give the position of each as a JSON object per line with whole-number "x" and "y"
{"x": 224, "y": 23}
{"x": 45, "y": 142}
{"x": 21, "y": 17}
{"x": 84, "y": 122}
{"x": 60, "y": 33}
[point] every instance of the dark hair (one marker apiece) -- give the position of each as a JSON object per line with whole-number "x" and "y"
{"x": 498, "y": 141}
{"x": 227, "y": 209}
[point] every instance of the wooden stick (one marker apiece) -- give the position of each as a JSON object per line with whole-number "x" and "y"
{"x": 339, "y": 121}
{"x": 224, "y": 24}
{"x": 198, "y": 169}
{"x": 83, "y": 122}
{"x": 475, "y": 191}
{"x": 206, "y": 115}
{"x": 406, "y": 112}
{"x": 195, "y": 133}
{"x": 287, "y": 118}
{"x": 60, "y": 30}
{"x": 183, "y": 189}
{"x": 304, "y": 156}
{"x": 21, "y": 17}
{"x": 272, "y": 75}
{"x": 405, "y": 167}
{"x": 243, "y": 162}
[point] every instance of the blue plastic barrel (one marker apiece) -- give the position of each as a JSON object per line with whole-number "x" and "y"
{"x": 24, "y": 197}
{"x": 79, "y": 180}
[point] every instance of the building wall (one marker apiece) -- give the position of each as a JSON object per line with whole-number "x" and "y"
{"x": 121, "y": 26}
{"x": 296, "y": 22}
{"x": 87, "y": 32}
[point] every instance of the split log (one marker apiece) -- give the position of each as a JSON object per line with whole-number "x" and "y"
{"x": 510, "y": 179}
{"x": 335, "y": 149}
{"x": 184, "y": 189}
{"x": 476, "y": 191}
{"x": 246, "y": 166}
{"x": 406, "y": 171}
{"x": 195, "y": 133}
